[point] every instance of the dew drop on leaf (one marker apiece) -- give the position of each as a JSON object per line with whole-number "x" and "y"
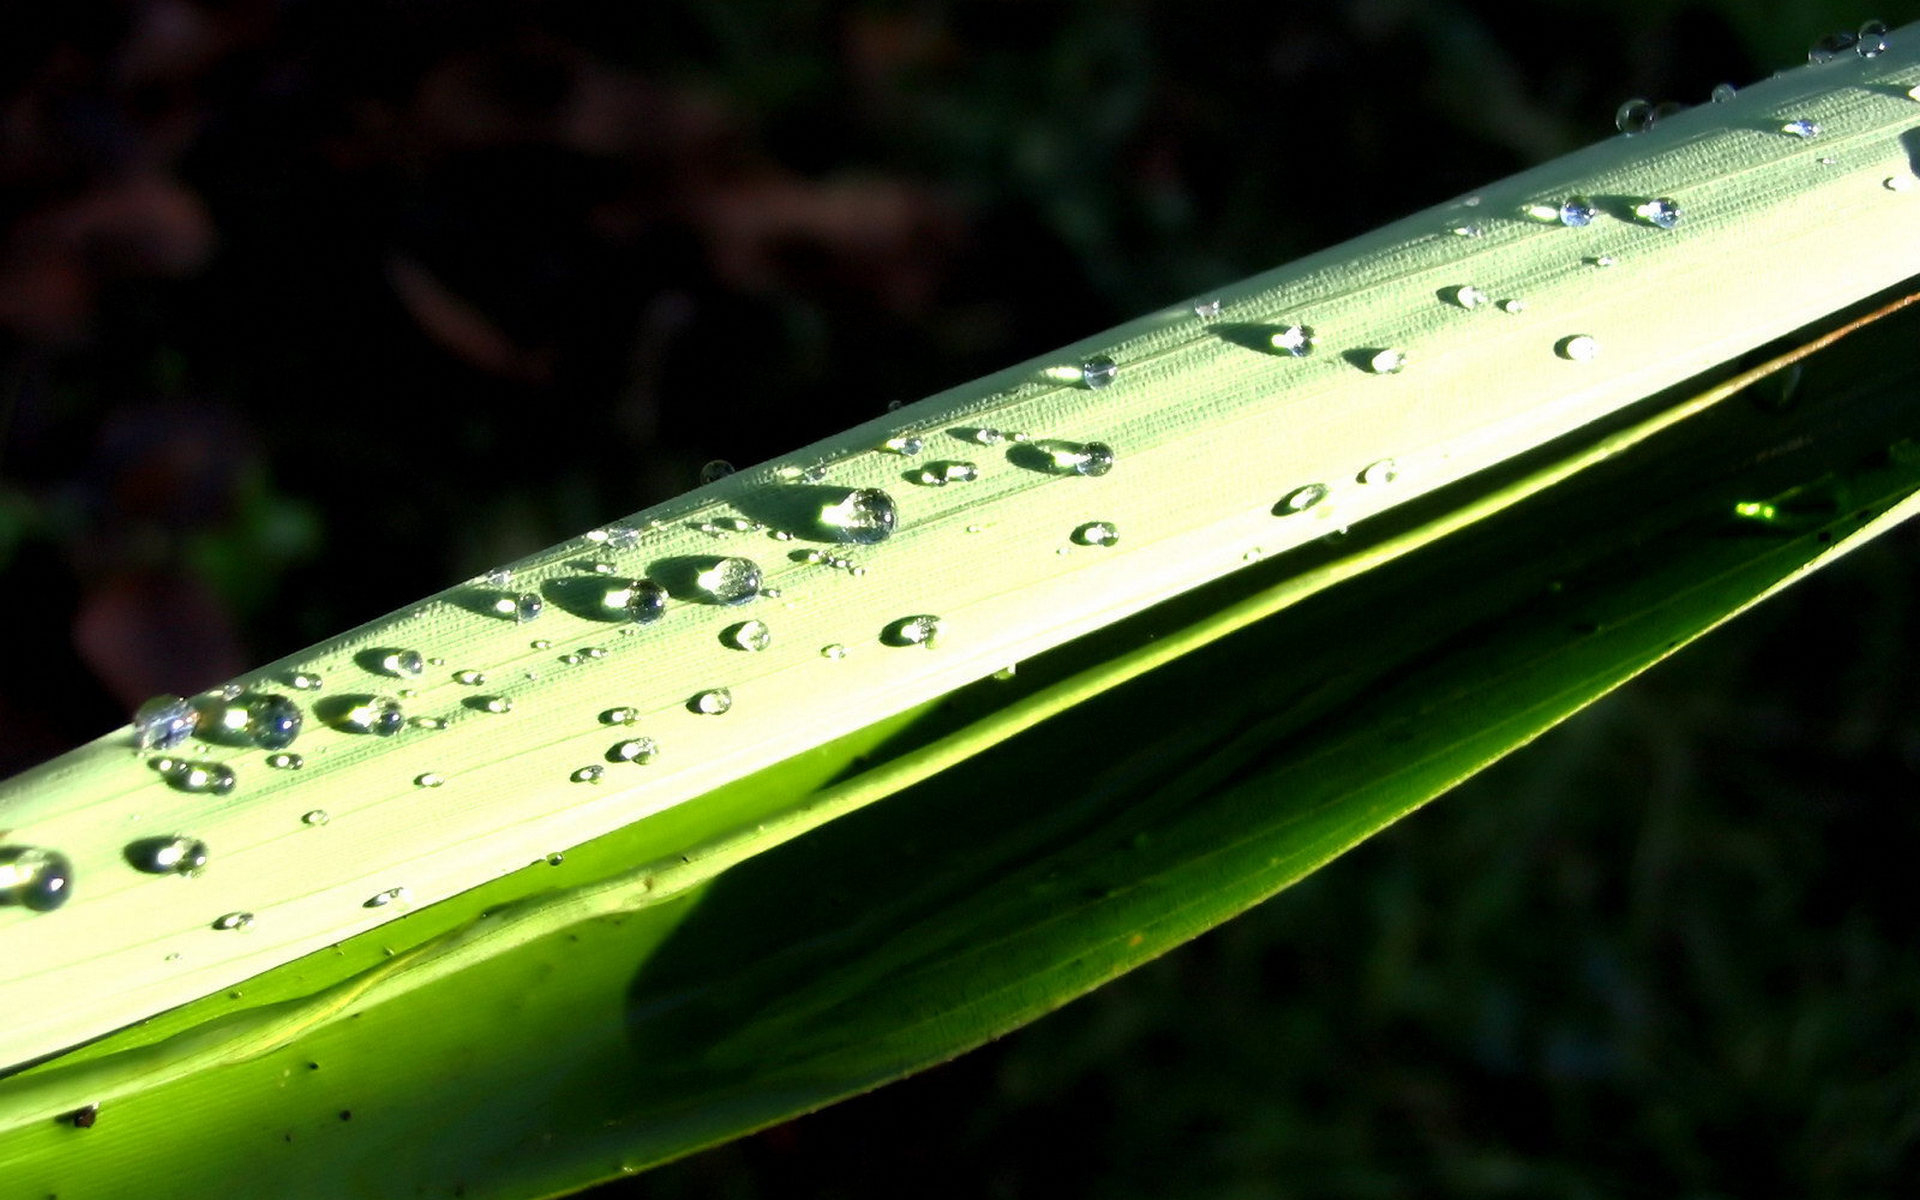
{"x": 588, "y": 774}
{"x": 1097, "y": 533}
{"x": 863, "y": 516}
{"x": 163, "y": 723}
{"x": 1297, "y": 340}
{"x": 1301, "y": 499}
{"x": 1832, "y": 46}
{"x": 748, "y": 635}
{"x": 1387, "y": 362}
{"x": 728, "y": 581}
{"x": 286, "y": 762}
{"x": 1636, "y": 116}
{"x": 1578, "y": 348}
{"x": 941, "y": 474}
{"x": 34, "y": 878}
{"x": 233, "y": 920}
{"x": 1098, "y": 371}
{"x": 1576, "y": 212}
{"x": 176, "y": 854}
{"x": 403, "y": 664}
{"x": 200, "y": 778}
{"x": 1722, "y": 93}
{"x": 1383, "y": 470}
{"x": 273, "y": 722}
{"x": 715, "y": 471}
{"x": 1801, "y": 128}
{"x": 382, "y": 899}
{"x": 304, "y": 681}
{"x": 711, "y": 702}
{"x": 635, "y": 750}
{"x": 315, "y": 817}
{"x": 919, "y": 630}
{"x": 429, "y": 779}
{"x": 381, "y": 716}
{"x": 1659, "y": 211}
{"x": 906, "y": 445}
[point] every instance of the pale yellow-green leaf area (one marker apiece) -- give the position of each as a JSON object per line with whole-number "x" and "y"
{"x": 1227, "y": 427}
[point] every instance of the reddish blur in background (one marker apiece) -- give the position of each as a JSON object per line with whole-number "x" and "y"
{"x": 312, "y": 307}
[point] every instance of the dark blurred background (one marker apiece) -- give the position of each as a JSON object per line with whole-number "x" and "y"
{"x": 310, "y": 308}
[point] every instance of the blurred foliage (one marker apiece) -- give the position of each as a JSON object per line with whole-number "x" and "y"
{"x": 284, "y": 282}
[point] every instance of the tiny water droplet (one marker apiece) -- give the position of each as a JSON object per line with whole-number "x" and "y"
{"x": 637, "y": 750}
{"x": 1659, "y": 211}
{"x": 1636, "y": 116}
{"x": 304, "y": 681}
{"x": 1387, "y": 362}
{"x": 863, "y": 516}
{"x": 620, "y": 715}
{"x": 315, "y": 816}
{"x": 34, "y": 878}
{"x": 176, "y": 854}
{"x": 1599, "y": 260}
{"x": 712, "y": 702}
{"x": 589, "y": 774}
{"x": 233, "y": 920}
{"x": 403, "y": 664}
{"x": 1297, "y": 340}
{"x": 941, "y": 474}
{"x": 748, "y": 635}
{"x": 622, "y": 537}
{"x": 728, "y": 581}
{"x": 715, "y": 470}
{"x": 381, "y": 716}
{"x": 1722, "y": 93}
{"x": 382, "y": 899}
{"x": 498, "y": 577}
{"x": 1467, "y": 296}
{"x": 833, "y": 650}
{"x": 1210, "y": 308}
{"x": 429, "y": 779}
{"x": 273, "y": 722}
{"x": 1301, "y": 499}
{"x": 1467, "y": 231}
{"x": 163, "y": 723}
{"x": 1091, "y": 459}
{"x": 1384, "y": 470}
{"x": 286, "y": 762}
{"x": 1577, "y": 212}
{"x": 496, "y": 704}
{"x": 470, "y": 678}
{"x": 1097, "y": 533}
{"x": 1578, "y": 348}
{"x": 1512, "y": 304}
{"x": 208, "y": 778}
{"x": 426, "y": 723}
{"x": 602, "y": 568}
{"x": 919, "y": 630}
{"x": 1832, "y": 46}
{"x": 1098, "y": 371}
{"x": 1801, "y": 128}
{"x": 906, "y": 445}
{"x": 982, "y": 436}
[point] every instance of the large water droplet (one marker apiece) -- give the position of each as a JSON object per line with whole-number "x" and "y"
{"x": 1577, "y": 211}
{"x": 1873, "y": 39}
{"x": 748, "y": 635}
{"x": 527, "y": 606}
{"x": 1634, "y": 117}
{"x": 233, "y": 920}
{"x": 715, "y": 470}
{"x": 1301, "y": 499}
{"x": 186, "y": 775}
{"x": 637, "y": 750}
{"x": 1578, "y": 348}
{"x": 864, "y": 515}
{"x": 380, "y": 716}
{"x": 163, "y": 723}
{"x": 315, "y": 817}
{"x": 1098, "y": 371}
{"x": 644, "y": 601}
{"x": 176, "y": 854}
{"x": 1097, "y": 533}
{"x": 1384, "y": 470}
{"x": 1066, "y": 458}
{"x": 1802, "y": 128}
{"x": 712, "y": 702}
{"x": 273, "y": 722}
{"x": 588, "y": 774}
{"x": 1659, "y": 211}
{"x": 1722, "y": 93}
{"x": 919, "y": 630}
{"x": 403, "y": 664}
{"x": 492, "y": 704}
{"x": 34, "y": 878}
{"x": 907, "y": 445}
{"x": 940, "y": 474}
{"x": 429, "y": 779}
{"x": 1297, "y": 340}
{"x": 1388, "y": 361}
{"x": 728, "y": 580}
{"x": 1466, "y": 296}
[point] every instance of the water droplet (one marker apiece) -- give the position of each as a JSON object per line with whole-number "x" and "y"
{"x": 304, "y": 681}
{"x": 1659, "y": 211}
{"x": 1467, "y": 231}
{"x": 622, "y": 537}
{"x": 403, "y": 664}
{"x": 1801, "y": 128}
{"x": 34, "y": 878}
{"x": 589, "y": 774}
{"x": 982, "y": 436}
{"x": 184, "y": 775}
{"x": 1512, "y": 304}
{"x": 1092, "y": 459}
{"x": 1832, "y": 46}
{"x": 712, "y": 702}
{"x": 286, "y": 762}
{"x": 1722, "y": 93}
{"x": 495, "y": 704}
{"x": 382, "y": 899}
{"x": 426, "y": 723}
{"x": 975, "y": 528}
{"x": 177, "y": 854}
{"x": 1098, "y": 371}
{"x": 639, "y": 750}
{"x": 470, "y": 678}
{"x": 1097, "y": 533}
{"x": 748, "y": 635}
{"x": 602, "y": 568}
{"x": 554, "y": 860}
{"x": 1578, "y": 348}
{"x": 233, "y": 920}
{"x": 920, "y": 630}
{"x": 1599, "y": 260}
{"x": 527, "y": 606}
{"x": 941, "y": 474}
{"x": 864, "y": 516}
{"x": 728, "y": 581}
{"x": 1210, "y": 308}
{"x": 1301, "y": 499}
{"x": 381, "y": 716}
{"x": 273, "y": 722}
{"x": 906, "y": 445}
{"x": 163, "y": 723}
{"x": 1384, "y": 470}
{"x": 1636, "y": 116}
{"x": 1297, "y": 340}
{"x": 593, "y": 652}
{"x": 715, "y": 470}
{"x": 429, "y": 779}
{"x": 1467, "y": 296}
{"x": 1577, "y": 212}
{"x": 833, "y": 650}
{"x": 1897, "y": 183}
{"x": 315, "y": 816}
{"x": 1873, "y": 39}
{"x": 1387, "y": 362}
